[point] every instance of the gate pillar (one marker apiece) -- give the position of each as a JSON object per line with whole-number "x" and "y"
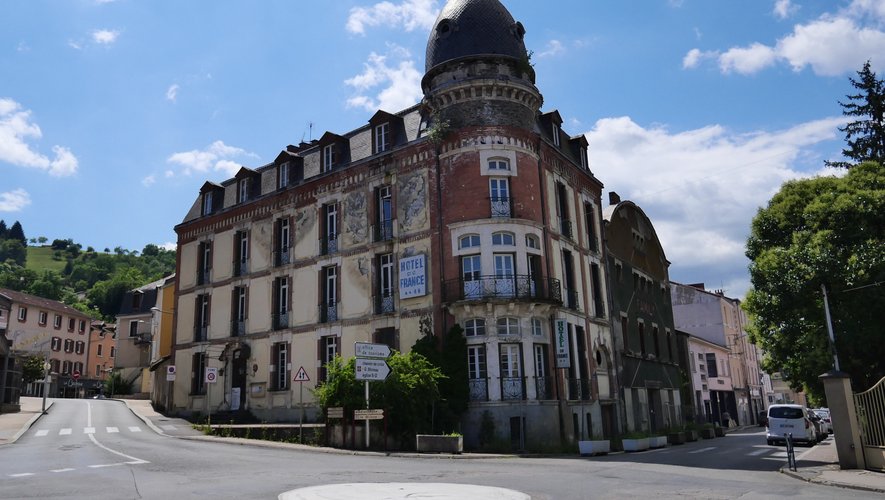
{"x": 846, "y": 431}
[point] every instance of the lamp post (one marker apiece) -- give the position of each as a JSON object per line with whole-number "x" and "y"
{"x": 155, "y": 329}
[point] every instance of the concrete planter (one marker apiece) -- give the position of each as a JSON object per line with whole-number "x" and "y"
{"x": 635, "y": 444}
{"x": 691, "y": 436}
{"x": 708, "y": 433}
{"x": 676, "y": 438}
{"x": 657, "y": 441}
{"x": 720, "y": 431}
{"x": 599, "y": 447}
{"x": 431, "y": 443}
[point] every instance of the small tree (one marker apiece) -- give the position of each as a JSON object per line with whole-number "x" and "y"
{"x": 17, "y": 233}
{"x": 32, "y": 369}
{"x": 865, "y": 136}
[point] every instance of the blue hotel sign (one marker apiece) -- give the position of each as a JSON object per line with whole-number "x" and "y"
{"x": 413, "y": 276}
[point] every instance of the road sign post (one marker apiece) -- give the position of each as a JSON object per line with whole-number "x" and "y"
{"x": 301, "y": 377}
{"x": 211, "y": 377}
{"x": 370, "y": 365}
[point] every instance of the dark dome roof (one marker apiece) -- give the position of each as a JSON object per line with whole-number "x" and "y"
{"x": 474, "y": 27}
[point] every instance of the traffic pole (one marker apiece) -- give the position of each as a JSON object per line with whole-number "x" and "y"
{"x": 367, "y": 420}
{"x": 301, "y": 404}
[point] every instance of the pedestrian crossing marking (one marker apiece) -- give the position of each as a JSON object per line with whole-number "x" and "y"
{"x": 42, "y": 433}
{"x": 758, "y": 452}
{"x": 113, "y": 429}
{"x": 703, "y": 450}
{"x": 64, "y": 432}
{"x": 89, "y": 430}
{"x": 134, "y": 429}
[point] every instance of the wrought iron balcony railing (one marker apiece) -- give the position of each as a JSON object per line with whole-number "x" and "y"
{"x": 281, "y": 256}
{"x": 579, "y": 389}
{"x": 384, "y": 230}
{"x": 517, "y": 287}
{"x": 479, "y": 389}
{"x": 572, "y": 300}
{"x": 241, "y": 267}
{"x": 328, "y": 312}
{"x": 280, "y": 321}
{"x": 565, "y": 227}
{"x": 329, "y": 246}
{"x": 544, "y": 387}
{"x": 203, "y": 276}
{"x": 501, "y": 206}
{"x": 512, "y": 388}
{"x": 201, "y": 333}
{"x": 238, "y": 328}
{"x": 384, "y": 303}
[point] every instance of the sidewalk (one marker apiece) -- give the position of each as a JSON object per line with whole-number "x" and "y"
{"x": 818, "y": 464}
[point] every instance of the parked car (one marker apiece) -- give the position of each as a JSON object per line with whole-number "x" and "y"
{"x": 820, "y": 429}
{"x": 792, "y": 419}
{"x": 763, "y": 418}
{"x": 824, "y": 414}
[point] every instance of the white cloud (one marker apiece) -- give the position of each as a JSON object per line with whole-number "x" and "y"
{"x": 172, "y": 92}
{"x": 553, "y": 48}
{"x": 22, "y": 47}
{"x": 702, "y": 187}
{"x": 105, "y": 37}
{"x": 833, "y": 44}
{"x": 408, "y": 14}
{"x": 14, "y": 201}
{"x": 169, "y": 246}
{"x": 16, "y": 129}
{"x": 75, "y": 45}
{"x": 784, "y": 9}
{"x": 399, "y": 82}
{"x": 218, "y": 156}
{"x": 694, "y": 57}
{"x": 747, "y": 60}
{"x": 149, "y": 181}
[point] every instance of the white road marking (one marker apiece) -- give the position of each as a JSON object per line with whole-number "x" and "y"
{"x": 64, "y": 432}
{"x": 113, "y": 430}
{"x": 135, "y": 429}
{"x": 96, "y": 443}
{"x": 89, "y": 430}
{"x": 168, "y": 427}
{"x": 23, "y": 474}
{"x": 703, "y": 450}
{"x": 104, "y": 465}
{"x": 42, "y": 433}
{"x": 758, "y": 452}
{"x": 62, "y": 470}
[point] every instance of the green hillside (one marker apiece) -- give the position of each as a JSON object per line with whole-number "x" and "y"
{"x": 41, "y": 258}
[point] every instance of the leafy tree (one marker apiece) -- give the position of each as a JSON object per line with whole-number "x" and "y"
{"x": 866, "y": 135}
{"x": 450, "y": 358}
{"x": 49, "y": 286}
{"x": 17, "y": 233}
{"x": 42, "y": 240}
{"x": 406, "y": 396}
{"x": 107, "y": 295}
{"x": 60, "y": 244}
{"x": 818, "y": 231}
{"x": 116, "y": 384}
{"x": 32, "y": 369}
{"x": 150, "y": 250}
{"x": 13, "y": 250}
{"x": 15, "y": 277}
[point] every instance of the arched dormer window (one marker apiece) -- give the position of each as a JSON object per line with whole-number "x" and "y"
{"x": 469, "y": 241}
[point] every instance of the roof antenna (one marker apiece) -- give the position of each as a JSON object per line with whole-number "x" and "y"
{"x": 310, "y": 124}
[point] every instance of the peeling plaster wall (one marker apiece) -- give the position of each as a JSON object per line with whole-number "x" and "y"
{"x": 356, "y": 219}
{"x": 306, "y": 236}
{"x": 412, "y": 210}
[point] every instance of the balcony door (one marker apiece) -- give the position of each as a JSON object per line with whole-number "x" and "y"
{"x": 499, "y": 195}
{"x": 504, "y": 275}
{"x": 471, "y": 273}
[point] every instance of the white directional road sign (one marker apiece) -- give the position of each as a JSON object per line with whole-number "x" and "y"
{"x": 373, "y": 414}
{"x": 371, "y": 369}
{"x": 367, "y": 350}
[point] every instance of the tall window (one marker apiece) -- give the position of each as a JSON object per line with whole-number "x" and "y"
{"x": 712, "y": 369}
{"x": 56, "y": 321}
{"x": 281, "y": 303}
{"x": 328, "y": 157}
{"x": 243, "y": 190}
{"x": 207, "y": 203}
{"x": 382, "y": 138}
{"x": 537, "y": 327}
{"x": 328, "y": 351}
{"x": 330, "y": 235}
{"x": 198, "y": 373}
{"x": 80, "y": 347}
{"x": 505, "y": 285}
{"x": 471, "y": 272}
{"x": 511, "y": 372}
{"x": 98, "y": 350}
{"x": 204, "y": 263}
{"x": 329, "y": 307}
{"x": 41, "y": 318}
{"x": 283, "y": 240}
{"x": 283, "y": 175}
{"x": 642, "y": 338}
{"x": 56, "y": 343}
{"x": 133, "y": 328}
{"x": 499, "y": 195}
{"x": 384, "y": 230}
{"x": 280, "y": 366}
{"x": 241, "y": 265}
{"x": 598, "y": 302}
{"x": 657, "y": 341}
{"x": 201, "y": 318}
{"x": 22, "y": 313}
{"x": 385, "y": 283}
{"x": 568, "y": 278}
{"x": 113, "y": 351}
{"x": 238, "y": 311}
{"x": 590, "y": 220}
{"x": 556, "y": 135}
{"x": 565, "y": 223}
{"x": 542, "y": 385}
{"x": 72, "y": 323}
{"x": 476, "y": 372}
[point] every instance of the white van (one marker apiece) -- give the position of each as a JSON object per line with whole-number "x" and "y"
{"x": 790, "y": 419}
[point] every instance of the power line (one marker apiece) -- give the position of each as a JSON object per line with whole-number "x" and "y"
{"x": 862, "y": 287}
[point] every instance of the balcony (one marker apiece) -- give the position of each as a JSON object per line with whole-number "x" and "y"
{"x": 384, "y": 303}
{"x": 203, "y": 277}
{"x": 572, "y": 300}
{"x": 280, "y": 321}
{"x": 517, "y": 287}
{"x": 281, "y": 256}
{"x": 237, "y": 328}
{"x": 512, "y": 388}
{"x": 579, "y": 389}
{"x": 140, "y": 339}
{"x": 384, "y": 231}
{"x": 328, "y": 312}
{"x": 565, "y": 227}
{"x": 241, "y": 267}
{"x": 329, "y": 246}
{"x": 544, "y": 387}
{"x": 479, "y": 389}
{"x": 501, "y": 206}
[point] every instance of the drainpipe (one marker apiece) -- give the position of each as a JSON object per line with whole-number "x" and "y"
{"x": 439, "y": 222}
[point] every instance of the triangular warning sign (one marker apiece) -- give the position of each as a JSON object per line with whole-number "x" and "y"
{"x": 301, "y": 376}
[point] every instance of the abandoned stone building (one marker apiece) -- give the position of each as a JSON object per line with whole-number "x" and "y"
{"x": 472, "y": 207}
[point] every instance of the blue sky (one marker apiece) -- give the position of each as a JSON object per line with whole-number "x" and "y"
{"x": 114, "y": 112}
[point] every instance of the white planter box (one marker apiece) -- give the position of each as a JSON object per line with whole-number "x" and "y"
{"x": 657, "y": 441}
{"x": 600, "y": 447}
{"x": 439, "y": 444}
{"x": 635, "y": 444}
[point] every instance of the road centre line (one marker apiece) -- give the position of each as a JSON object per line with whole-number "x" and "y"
{"x": 62, "y": 470}
{"x": 95, "y": 441}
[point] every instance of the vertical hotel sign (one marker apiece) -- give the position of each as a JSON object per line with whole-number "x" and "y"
{"x": 413, "y": 276}
{"x": 562, "y": 345}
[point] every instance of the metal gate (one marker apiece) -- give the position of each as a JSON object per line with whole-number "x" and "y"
{"x": 870, "y": 406}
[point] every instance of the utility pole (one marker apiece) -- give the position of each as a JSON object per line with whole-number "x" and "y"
{"x": 830, "y": 327}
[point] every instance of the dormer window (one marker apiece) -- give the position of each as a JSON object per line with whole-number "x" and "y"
{"x": 328, "y": 157}
{"x": 283, "y": 175}
{"x": 583, "y": 154}
{"x": 243, "y": 190}
{"x": 207, "y": 203}
{"x": 555, "y": 134}
{"x": 382, "y": 137}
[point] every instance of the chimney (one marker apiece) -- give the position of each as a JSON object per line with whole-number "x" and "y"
{"x": 613, "y": 198}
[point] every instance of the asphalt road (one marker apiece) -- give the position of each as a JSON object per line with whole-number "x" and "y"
{"x": 98, "y": 449}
